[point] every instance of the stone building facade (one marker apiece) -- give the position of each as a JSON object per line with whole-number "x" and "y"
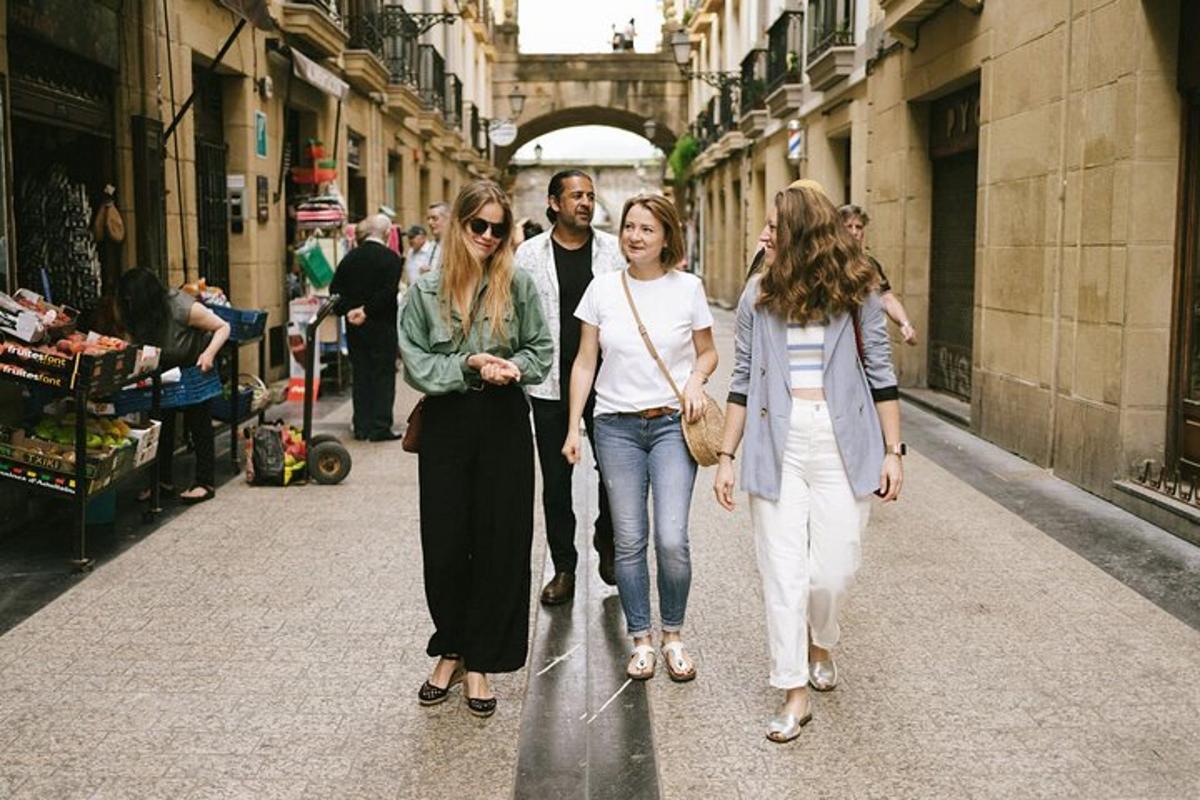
{"x": 399, "y": 94}
{"x": 1030, "y": 169}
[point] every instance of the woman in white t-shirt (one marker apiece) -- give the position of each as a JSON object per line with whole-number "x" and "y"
{"x": 638, "y": 433}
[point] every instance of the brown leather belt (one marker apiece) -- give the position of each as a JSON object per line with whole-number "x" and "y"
{"x": 650, "y": 413}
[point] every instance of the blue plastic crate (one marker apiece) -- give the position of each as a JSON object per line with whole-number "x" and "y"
{"x": 222, "y": 408}
{"x": 244, "y": 323}
{"x": 194, "y": 387}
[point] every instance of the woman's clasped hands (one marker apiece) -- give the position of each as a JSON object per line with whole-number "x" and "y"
{"x": 494, "y": 370}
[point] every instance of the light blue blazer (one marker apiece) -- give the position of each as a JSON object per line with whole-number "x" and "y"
{"x": 762, "y": 383}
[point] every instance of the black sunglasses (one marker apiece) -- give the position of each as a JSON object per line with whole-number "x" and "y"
{"x": 478, "y": 225}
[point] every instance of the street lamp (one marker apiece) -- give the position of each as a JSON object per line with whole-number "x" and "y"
{"x": 681, "y": 49}
{"x": 650, "y": 128}
{"x": 516, "y": 101}
{"x": 681, "y": 46}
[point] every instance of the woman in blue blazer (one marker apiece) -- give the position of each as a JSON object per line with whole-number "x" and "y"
{"x": 813, "y": 398}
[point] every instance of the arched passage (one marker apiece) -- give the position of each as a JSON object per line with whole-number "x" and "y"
{"x": 528, "y": 130}
{"x": 623, "y": 91}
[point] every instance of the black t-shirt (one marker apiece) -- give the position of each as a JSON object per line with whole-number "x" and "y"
{"x": 884, "y": 286}
{"x": 574, "y": 268}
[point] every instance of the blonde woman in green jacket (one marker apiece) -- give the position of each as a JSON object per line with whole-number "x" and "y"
{"x": 471, "y": 335}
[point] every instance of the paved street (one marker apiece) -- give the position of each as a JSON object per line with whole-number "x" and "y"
{"x": 270, "y": 644}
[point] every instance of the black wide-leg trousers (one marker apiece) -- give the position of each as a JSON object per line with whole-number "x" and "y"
{"x": 476, "y": 475}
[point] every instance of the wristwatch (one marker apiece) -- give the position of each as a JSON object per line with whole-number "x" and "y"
{"x": 900, "y": 449}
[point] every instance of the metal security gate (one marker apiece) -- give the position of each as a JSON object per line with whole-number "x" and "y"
{"x": 1186, "y": 385}
{"x": 954, "y": 143}
{"x": 212, "y": 210}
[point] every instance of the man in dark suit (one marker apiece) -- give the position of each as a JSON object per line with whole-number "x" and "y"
{"x": 367, "y": 281}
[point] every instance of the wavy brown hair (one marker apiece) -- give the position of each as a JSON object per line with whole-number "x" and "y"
{"x": 461, "y": 268}
{"x": 819, "y": 269}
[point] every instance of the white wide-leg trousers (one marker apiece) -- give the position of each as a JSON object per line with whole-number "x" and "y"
{"x": 808, "y": 544}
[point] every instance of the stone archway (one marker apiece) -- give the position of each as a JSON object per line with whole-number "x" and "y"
{"x": 530, "y": 129}
{"x": 623, "y": 90}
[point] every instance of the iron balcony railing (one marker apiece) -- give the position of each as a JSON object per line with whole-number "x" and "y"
{"x": 727, "y": 116}
{"x": 431, "y": 77}
{"x": 478, "y": 130}
{"x": 754, "y": 80}
{"x": 368, "y": 31}
{"x": 392, "y": 34}
{"x": 454, "y": 102}
{"x": 832, "y": 25}
{"x": 785, "y": 48}
{"x": 705, "y": 125}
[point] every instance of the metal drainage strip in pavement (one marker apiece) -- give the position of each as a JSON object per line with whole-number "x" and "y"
{"x": 585, "y": 728}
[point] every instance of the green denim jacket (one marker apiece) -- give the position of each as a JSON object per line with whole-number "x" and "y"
{"x": 435, "y": 351}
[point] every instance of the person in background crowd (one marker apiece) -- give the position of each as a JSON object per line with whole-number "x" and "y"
{"x": 618, "y": 39}
{"x": 436, "y": 219}
{"x": 855, "y": 219}
{"x": 639, "y": 435}
{"x": 518, "y": 234}
{"x": 562, "y": 263}
{"x": 420, "y": 250}
{"x": 189, "y": 335}
{"x": 471, "y": 335}
{"x": 367, "y": 281}
{"x": 630, "y": 33}
{"x": 797, "y": 358}
{"x": 532, "y": 228}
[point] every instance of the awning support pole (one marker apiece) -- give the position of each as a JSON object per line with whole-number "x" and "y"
{"x": 192, "y": 97}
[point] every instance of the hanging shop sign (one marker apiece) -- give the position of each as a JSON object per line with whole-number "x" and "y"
{"x": 260, "y": 134}
{"x": 86, "y": 28}
{"x": 314, "y": 74}
{"x": 503, "y": 132}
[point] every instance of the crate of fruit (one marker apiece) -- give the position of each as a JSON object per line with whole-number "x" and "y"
{"x": 96, "y": 363}
{"x": 244, "y": 323}
{"x": 47, "y": 453}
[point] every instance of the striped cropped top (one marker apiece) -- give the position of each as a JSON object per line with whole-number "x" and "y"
{"x": 806, "y": 355}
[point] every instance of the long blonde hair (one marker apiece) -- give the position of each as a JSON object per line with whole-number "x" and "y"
{"x": 819, "y": 269}
{"x": 461, "y": 268}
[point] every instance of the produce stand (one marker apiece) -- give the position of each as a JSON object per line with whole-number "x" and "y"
{"x": 82, "y": 377}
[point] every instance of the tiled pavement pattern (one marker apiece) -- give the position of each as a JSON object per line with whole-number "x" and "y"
{"x": 269, "y": 644}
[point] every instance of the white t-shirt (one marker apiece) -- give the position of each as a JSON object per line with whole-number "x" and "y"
{"x": 671, "y": 307}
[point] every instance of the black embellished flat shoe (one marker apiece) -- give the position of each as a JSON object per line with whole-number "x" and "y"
{"x": 481, "y": 708}
{"x": 430, "y": 695}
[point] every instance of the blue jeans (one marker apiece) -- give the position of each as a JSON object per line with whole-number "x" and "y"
{"x": 636, "y": 456}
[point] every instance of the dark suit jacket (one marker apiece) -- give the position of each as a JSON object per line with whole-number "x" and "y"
{"x": 369, "y": 276}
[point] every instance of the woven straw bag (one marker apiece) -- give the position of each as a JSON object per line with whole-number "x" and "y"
{"x": 703, "y": 437}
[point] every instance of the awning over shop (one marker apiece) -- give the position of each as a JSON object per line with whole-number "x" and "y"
{"x": 314, "y": 74}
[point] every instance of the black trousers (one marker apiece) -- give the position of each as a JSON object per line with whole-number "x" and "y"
{"x": 197, "y": 421}
{"x": 476, "y": 474}
{"x": 550, "y": 423}
{"x": 373, "y": 392}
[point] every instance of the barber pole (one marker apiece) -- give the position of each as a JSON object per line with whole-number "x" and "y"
{"x": 795, "y": 145}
